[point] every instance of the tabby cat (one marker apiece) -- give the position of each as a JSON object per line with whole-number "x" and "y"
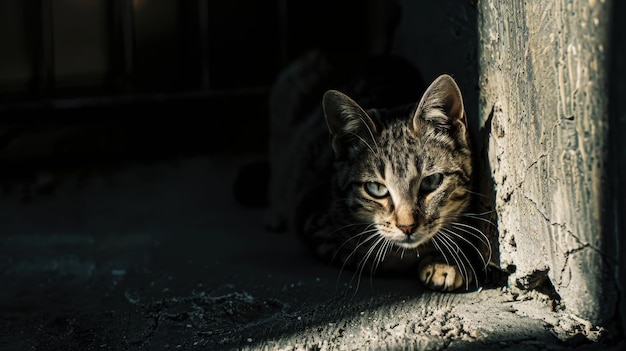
{"x": 370, "y": 186}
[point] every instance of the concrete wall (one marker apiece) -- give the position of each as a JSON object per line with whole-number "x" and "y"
{"x": 544, "y": 98}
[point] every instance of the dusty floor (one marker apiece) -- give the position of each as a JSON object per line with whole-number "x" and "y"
{"x": 161, "y": 256}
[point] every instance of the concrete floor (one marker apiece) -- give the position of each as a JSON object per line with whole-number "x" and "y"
{"x": 161, "y": 256}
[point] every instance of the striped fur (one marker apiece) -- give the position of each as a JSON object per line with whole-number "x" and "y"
{"x": 386, "y": 190}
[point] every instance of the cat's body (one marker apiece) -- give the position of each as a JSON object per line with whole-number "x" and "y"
{"x": 369, "y": 180}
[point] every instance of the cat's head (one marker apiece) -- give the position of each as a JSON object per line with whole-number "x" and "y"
{"x": 405, "y": 172}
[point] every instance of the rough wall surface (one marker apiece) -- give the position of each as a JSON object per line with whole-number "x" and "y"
{"x": 544, "y": 103}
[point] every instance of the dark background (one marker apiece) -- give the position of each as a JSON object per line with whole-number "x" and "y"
{"x": 95, "y": 81}
{"x": 91, "y": 87}
{"x": 123, "y": 128}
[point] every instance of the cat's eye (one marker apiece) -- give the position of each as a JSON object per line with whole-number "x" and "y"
{"x": 376, "y": 190}
{"x": 431, "y": 182}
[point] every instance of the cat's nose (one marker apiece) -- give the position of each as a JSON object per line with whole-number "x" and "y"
{"x": 406, "y": 229}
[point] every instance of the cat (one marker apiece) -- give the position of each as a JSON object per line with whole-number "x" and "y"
{"x": 370, "y": 179}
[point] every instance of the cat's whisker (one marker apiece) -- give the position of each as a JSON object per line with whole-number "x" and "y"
{"x": 376, "y": 259}
{"x": 366, "y": 144}
{"x": 479, "y": 213}
{"x": 354, "y": 250}
{"x": 470, "y": 265}
{"x": 471, "y": 230}
{"x": 369, "y": 130}
{"x": 450, "y": 232}
{"x": 478, "y": 194}
{"x": 434, "y": 240}
{"x": 451, "y": 240}
{"x": 375, "y": 231}
{"x": 363, "y": 262}
{"x": 352, "y": 225}
{"x": 387, "y": 245}
{"x": 477, "y": 233}
{"x": 476, "y": 217}
{"x": 450, "y": 245}
{"x": 443, "y": 253}
{"x": 369, "y": 253}
{"x": 485, "y": 260}
{"x": 365, "y": 230}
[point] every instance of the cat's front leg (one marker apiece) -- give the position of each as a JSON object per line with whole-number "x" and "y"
{"x": 438, "y": 275}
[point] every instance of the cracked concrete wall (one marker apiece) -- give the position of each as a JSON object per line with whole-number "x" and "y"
{"x": 544, "y": 106}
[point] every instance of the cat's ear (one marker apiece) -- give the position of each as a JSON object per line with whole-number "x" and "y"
{"x": 350, "y": 126}
{"x": 442, "y": 106}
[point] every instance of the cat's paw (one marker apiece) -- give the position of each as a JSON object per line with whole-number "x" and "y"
{"x": 440, "y": 276}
